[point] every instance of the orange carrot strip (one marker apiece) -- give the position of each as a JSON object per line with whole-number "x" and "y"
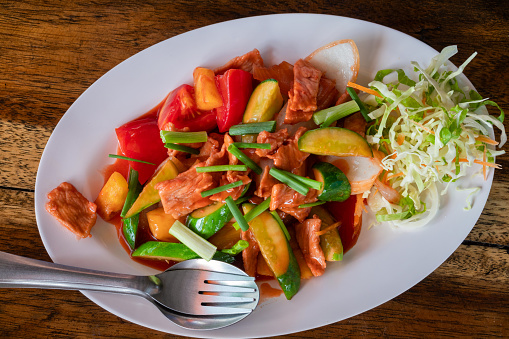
{"x": 486, "y": 140}
{"x": 484, "y": 166}
{"x": 400, "y": 139}
{"x": 484, "y": 163}
{"x": 364, "y": 89}
{"x": 423, "y": 127}
{"x": 394, "y": 175}
{"x": 328, "y": 228}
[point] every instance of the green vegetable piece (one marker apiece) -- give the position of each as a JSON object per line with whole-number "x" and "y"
{"x": 128, "y": 159}
{"x": 276, "y": 251}
{"x": 182, "y": 148}
{"x": 183, "y": 137}
{"x": 285, "y": 178}
{"x": 237, "y": 214}
{"x": 330, "y": 242}
{"x": 206, "y": 221}
{"x": 174, "y": 252}
{"x": 253, "y": 128}
{"x": 336, "y": 141}
{"x": 237, "y": 248}
{"x": 362, "y": 108}
{"x": 221, "y": 188}
{"x": 130, "y": 225}
{"x": 149, "y": 195}
{"x": 336, "y": 186}
{"x": 327, "y": 116}
{"x": 244, "y": 159}
{"x": 265, "y": 101}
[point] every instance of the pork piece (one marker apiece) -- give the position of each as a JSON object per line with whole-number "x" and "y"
{"x": 309, "y": 243}
{"x": 213, "y": 147}
{"x": 287, "y": 200}
{"x": 250, "y": 254}
{"x": 327, "y": 94}
{"x": 182, "y": 195}
{"x": 288, "y": 157}
{"x": 283, "y": 73}
{"x": 356, "y": 123}
{"x": 302, "y": 96}
{"x": 244, "y": 62}
{"x": 267, "y": 181}
{"x": 72, "y": 209}
{"x": 228, "y": 178}
{"x": 275, "y": 140}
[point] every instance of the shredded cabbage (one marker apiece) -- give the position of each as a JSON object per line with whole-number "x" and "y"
{"x": 430, "y": 131}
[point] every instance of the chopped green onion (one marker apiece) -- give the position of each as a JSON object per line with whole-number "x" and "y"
{"x": 312, "y": 204}
{"x": 253, "y": 128}
{"x": 317, "y": 185}
{"x": 237, "y": 248}
{"x": 281, "y": 224}
{"x": 183, "y": 137}
{"x": 327, "y": 116}
{"x": 362, "y": 108}
{"x": 129, "y": 159}
{"x": 133, "y": 190}
{"x": 221, "y": 188}
{"x": 241, "y": 200}
{"x": 256, "y": 211}
{"x": 237, "y": 214}
{"x": 251, "y": 145}
{"x": 244, "y": 158}
{"x": 192, "y": 240}
{"x": 221, "y": 168}
{"x": 289, "y": 180}
{"x": 182, "y": 148}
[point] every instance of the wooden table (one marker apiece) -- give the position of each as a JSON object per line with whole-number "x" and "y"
{"x": 51, "y": 51}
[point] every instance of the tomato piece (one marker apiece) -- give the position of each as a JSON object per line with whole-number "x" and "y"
{"x": 179, "y": 112}
{"x": 344, "y": 212}
{"x": 235, "y": 87}
{"x": 139, "y": 139}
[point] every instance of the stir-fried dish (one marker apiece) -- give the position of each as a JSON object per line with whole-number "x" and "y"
{"x": 271, "y": 167}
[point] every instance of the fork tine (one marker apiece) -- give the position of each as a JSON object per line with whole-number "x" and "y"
{"x": 226, "y": 288}
{"x": 218, "y": 276}
{"x": 206, "y": 299}
{"x": 218, "y": 309}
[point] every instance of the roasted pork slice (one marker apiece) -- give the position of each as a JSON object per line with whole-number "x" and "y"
{"x": 356, "y": 123}
{"x": 228, "y": 178}
{"x": 250, "y": 254}
{"x": 182, "y": 195}
{"x": 267, "y": 181}
{"x": 288, "y": 157}
{"x": 275, "y": 140}
{"x": 327, "y": 94}
{"x": 302, "y": 97}
{"x": 309, "y": 243}
{"x": 288, "y": 200}
{"x": 244, "y": 62}
{"x": 283, "y": 73}
{"x": 72, "y": 209}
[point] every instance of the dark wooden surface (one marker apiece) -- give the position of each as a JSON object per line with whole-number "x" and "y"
{"x": 51, "y": 51}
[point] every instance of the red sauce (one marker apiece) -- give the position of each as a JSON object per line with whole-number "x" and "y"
{"x": 267, "y": 292}
{"x": 344, "y": 212}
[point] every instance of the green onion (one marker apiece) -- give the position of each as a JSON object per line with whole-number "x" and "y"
{"x": 237, "y": 248}
{"x": 251, "y": 145}
{"x": 289, "y": 180}
{"x": 244, "y": 158}
{"x": 183, "y": 137}
{"x": 192, "y": 240}
{"x": 327, "y": 116}
{"x": 312, "y": 204}
{"x": 317, "y": 185}
{"x": 253, "y": 128}
{"x": 241, "y": 200}
{"x": 237, "y": 214}
{"x": 256, "y": 211}
{"x": 129, "y": 159}
{"x": 362, "y": 108}
{"x": 221, "y": 168}
{"x": 182, "y": 148}
{"x": 281, "y": 224}
{"x": 130, "y": 225}
{"x": 221, "y": 188}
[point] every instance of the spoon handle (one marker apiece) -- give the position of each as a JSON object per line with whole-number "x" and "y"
{"x": 21, "y": 272}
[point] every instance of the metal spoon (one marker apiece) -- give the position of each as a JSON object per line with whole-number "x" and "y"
{"x": 194, "y": 294}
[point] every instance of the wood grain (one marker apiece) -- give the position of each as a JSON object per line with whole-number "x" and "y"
{"x": 52, "y": 51}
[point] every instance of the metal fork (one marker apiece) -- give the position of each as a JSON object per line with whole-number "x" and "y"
{"x": 194, "y": 294}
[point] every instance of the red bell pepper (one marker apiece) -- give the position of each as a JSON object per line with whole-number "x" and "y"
{"x": 179, "y": 112}
{"x": 235, "y": 86}
{"x": 344, "y": 212}
{"x": 139, "y": 139}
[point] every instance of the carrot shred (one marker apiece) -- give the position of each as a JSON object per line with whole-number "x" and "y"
{"x": 484, "y": 163}
{"x": 423, "y": 127}
{"x": 400, "y": 139}
{"x": 484, "y": 166}
{"x": 486, "y": 140}
{"x": 364, "y": 89}
{"x": 394, "y": 175}
{"x": 328, "y": 228}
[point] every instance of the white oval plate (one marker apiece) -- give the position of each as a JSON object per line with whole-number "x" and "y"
{"x": 384, "y": 263}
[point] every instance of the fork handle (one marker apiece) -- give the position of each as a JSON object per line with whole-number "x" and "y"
{"x": 21, "y": 272}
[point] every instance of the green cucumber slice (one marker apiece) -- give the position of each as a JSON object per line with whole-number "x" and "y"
{"x": 173, "y": 251}
{"x": 336, "y": 141}
{"x": 206, "y": 221}
{"x": 336, "y": 186}
{"x": 265, "y": 101}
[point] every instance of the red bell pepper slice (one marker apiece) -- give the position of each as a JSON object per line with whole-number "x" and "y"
{"x": 139, "y": 139}
{"x": 344, "y": 212}
{"x": 179, "y": 112}
{"x": 235, "y": 86}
